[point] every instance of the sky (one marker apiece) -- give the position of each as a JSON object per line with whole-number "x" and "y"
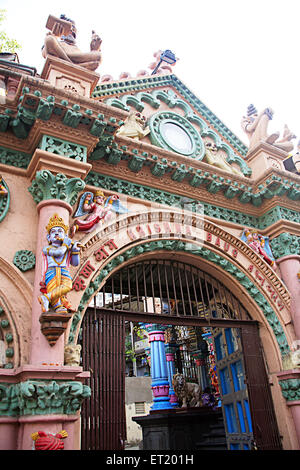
{"x": 230, "y": 52}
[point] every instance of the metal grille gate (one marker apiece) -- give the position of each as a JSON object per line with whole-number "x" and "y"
{"x": 188, "y": 296}
{"x": 103, "y": 415}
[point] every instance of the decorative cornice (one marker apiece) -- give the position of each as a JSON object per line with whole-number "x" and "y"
{"x": 258, "y": 220}
{"x": 163, "y": 167}
{"x": 48, "y": 186}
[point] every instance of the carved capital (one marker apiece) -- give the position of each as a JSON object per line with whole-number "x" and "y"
{"x": 290, "y": 389}
{"x": 48, "y": 186}
{"x": 38, "y": 397}
{"x": 285, "y": 244}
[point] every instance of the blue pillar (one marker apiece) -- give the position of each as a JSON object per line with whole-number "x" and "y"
{"x": 159, "y": 370}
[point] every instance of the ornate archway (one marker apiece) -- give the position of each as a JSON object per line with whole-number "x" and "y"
{"x": 191, "y": 237}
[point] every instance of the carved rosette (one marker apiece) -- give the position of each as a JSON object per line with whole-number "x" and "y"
{"x": 24, "y": 260}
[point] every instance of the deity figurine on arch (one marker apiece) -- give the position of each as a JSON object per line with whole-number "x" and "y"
{"x": 260, "y": 244}
{"x": 58, "y": 255}
{"x": 97, "y": 208}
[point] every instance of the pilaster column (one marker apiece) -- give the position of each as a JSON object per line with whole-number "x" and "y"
{"x": 170, "y": 357}
{"x": 285, "y": 249}
{"x": 64, "y": 192}
{"x": 289, "y": 382}
{"x": 159, "y": 370}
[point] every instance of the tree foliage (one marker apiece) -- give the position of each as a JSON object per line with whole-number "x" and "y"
{"x": 7, "y": 44}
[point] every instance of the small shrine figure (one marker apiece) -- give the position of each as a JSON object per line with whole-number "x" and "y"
{"x": 100, "y": 209}
{"x": 208, "y": 398}
{"x": 58, "y": 255}
{"x": 255, "y": 125}
{"x": 211, "y": 156}
{"x": 134, "y": 127}
{"x": 72, "y": 355}
{"x": 260, "y": 244}
{"x": 63, "y": 46}
{"x": 48, "y": 441}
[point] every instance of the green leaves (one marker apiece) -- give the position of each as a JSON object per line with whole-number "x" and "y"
{"x": 7, "y": 44}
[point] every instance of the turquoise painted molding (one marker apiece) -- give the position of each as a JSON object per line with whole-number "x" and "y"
{"x": 14, "y": 158}
{"x": 174, "y": 200}
{"x": 24, "y": 260}
{"x": 41, "y": 397}
{"x": 195, "y": 177}
{"x": 63, "y": 148}
{"x": 4, "y": 200}
{"x": 138, "y": 85}
{"x": 290, "y": 389}
{"x": 285, "y": 244}
{"x": 32, "y": 106}
{"x": 170, "y": 98}
{"x": 202, "y": 252}
{"x": 49, "y": 186}
{"x": 8, "y": 338}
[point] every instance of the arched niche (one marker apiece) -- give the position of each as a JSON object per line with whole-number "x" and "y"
{"x": 15, "y": 315}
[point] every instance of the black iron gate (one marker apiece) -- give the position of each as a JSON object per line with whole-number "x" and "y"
{"x": 171, "y": 293}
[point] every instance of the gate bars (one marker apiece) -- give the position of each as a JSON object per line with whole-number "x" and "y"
{"x": 103, "y": 415}
{"x": 186, "y": 296}
{"x": 183, "y": 291}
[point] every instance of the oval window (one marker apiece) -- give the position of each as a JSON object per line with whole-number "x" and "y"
{"x": 176, "y": 137}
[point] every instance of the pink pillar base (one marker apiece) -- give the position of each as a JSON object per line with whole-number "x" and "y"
{"x": 15, "y": 432}
{"x": 51, "y": 424}
{"x": 295, "y": 410}
{"x": 8, "y": 433}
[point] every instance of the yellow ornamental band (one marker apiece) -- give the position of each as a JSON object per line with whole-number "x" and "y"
{"x": 56, "y": 221}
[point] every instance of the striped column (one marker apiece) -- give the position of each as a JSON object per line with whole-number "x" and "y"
{"x": 159, "y": 370}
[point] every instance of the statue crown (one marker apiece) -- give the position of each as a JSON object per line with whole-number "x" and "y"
{"x": 99, "y": 193}
{"x": 56, "y": 221}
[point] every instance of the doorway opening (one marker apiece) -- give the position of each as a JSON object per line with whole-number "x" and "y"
{"x": 216, "y": 345}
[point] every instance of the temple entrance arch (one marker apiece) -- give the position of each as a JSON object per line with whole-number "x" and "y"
{"x": 188, "y": 297}
{"x": 185, "y": 235}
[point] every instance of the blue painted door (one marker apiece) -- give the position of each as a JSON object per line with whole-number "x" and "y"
{"x": 233, "y": 389}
